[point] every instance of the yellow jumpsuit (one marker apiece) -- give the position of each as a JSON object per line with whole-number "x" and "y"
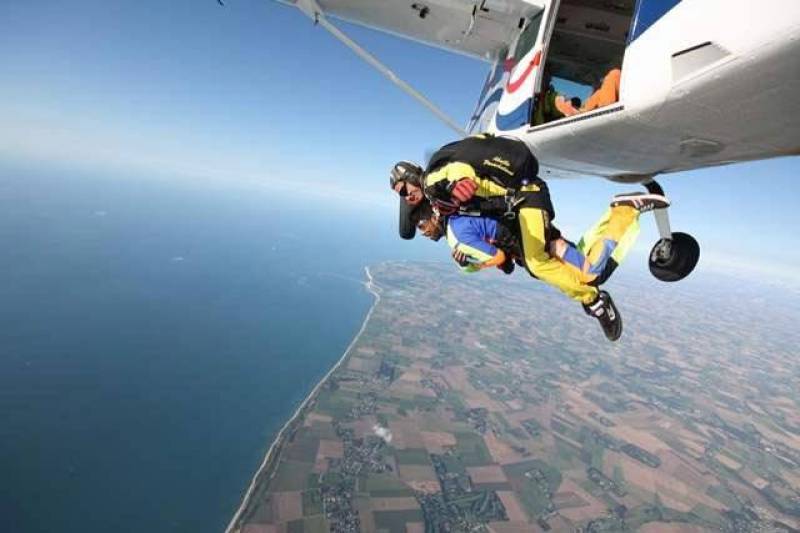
{"x": 618, "y": 226}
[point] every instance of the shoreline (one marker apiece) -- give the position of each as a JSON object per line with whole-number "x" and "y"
{"x": 277, "y": 444}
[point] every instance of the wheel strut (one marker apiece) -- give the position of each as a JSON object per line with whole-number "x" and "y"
{"x": 675, "y": 255}
{"x": 662, "y": 215}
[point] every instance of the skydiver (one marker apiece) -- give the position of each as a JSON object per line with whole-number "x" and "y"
{"x": 606, "y": 93}
{"x": 497, "y": 177}
{"x": 478, "y": 242}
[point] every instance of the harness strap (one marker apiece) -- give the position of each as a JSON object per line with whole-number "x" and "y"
{"x": 513, "y": 200}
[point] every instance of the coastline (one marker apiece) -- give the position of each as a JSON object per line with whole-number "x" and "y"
{"x": 274, "y": 451}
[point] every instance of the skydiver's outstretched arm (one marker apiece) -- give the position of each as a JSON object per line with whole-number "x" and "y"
{"x": 472, "y": 242}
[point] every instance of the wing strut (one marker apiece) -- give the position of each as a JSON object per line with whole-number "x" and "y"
{"x": 312, "y": 9}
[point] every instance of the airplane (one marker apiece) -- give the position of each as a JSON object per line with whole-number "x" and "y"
{"x": 703, "y": 82}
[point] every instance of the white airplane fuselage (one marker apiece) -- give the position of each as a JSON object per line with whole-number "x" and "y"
{"x": 703, "y": 83}
{"x": 710, "y": 82}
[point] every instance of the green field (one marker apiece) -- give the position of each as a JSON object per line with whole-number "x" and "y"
{"x": 412, "y": 456}
{"x": 384, "y": 485}
{"x": 335, "y": 403}
{"x": 472, "y": 450}
{"x": 395, "y": 521}
{"x": 312, "y": 502}
{"x": 707, "y": 514}
{"x": 324, "y": 430}
{"x": 313, "y": 524}
{"x": 725, "y": 496}
{"x": 533, "y": 498}
{"x": 517, "y": 471}
{"x": 304, "y": 446}
{"x": 453, "y": 464}
{"x": 291, "y": 475}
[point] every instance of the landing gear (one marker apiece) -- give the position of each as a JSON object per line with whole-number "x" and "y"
{"x": 675, "y": 255}
{"x": 673, "y": 259}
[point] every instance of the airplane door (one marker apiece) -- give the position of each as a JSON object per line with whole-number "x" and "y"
{"x": 523, "y": 66}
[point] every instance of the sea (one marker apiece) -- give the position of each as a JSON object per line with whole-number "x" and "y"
{"x": 156, "y": 333}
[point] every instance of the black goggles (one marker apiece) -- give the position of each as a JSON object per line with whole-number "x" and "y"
{"x": 402, "y": 174}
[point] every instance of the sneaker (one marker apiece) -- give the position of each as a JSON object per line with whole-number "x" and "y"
{"x": 604, "y": 310}
{"x": 642, "y": 201}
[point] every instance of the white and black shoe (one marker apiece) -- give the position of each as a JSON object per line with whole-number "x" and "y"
{"x": 604, "y": 310}
{"x": 641, "y": 201}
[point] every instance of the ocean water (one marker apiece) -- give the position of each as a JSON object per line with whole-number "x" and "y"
{"x": 154, "y": 335}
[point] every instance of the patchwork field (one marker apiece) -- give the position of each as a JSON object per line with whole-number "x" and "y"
{"x": 517, "y": 416}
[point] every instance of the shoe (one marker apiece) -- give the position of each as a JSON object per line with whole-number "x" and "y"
{"x": 604, "y": 310}
{"x": 641, "y": 201}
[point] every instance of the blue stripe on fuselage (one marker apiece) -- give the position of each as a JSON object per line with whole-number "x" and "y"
{"x": 646, "y": 13}
{"x": 491, "y": 80}
{"x": 516, "y": 119}
{"x": 495, "y": 97}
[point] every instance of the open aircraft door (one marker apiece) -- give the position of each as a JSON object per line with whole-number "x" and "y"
{"x": 523, "y": 67}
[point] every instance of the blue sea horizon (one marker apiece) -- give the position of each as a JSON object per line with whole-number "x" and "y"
{"x": 155, "y": 336}
{"x": 156, "y": 333}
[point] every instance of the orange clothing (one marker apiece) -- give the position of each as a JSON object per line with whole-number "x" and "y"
{"x": 607, "y": 94}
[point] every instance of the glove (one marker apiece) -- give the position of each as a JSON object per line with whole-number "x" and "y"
{"x": 460, "y": 258}
{"x": 508, "y": 266}
{"x": 463, "y": 190}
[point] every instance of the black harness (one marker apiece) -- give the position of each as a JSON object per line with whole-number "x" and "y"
{"x": 507, "y": 162}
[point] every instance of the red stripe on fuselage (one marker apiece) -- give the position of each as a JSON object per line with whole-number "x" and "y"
{"x": 512, "y": 87}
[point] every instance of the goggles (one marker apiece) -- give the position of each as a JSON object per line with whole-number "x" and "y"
{"x": 403, "y": 172}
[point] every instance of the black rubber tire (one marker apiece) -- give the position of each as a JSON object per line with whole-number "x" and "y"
{"x": 683, "y": 258}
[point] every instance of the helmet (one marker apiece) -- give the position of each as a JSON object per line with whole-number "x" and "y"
{"x": 427, "y": 219}
{"x": 405, "y": 171}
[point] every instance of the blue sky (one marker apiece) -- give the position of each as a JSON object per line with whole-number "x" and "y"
{"x": 253, "y": 94}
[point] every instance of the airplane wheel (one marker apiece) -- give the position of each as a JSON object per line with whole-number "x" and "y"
{"x": 674, "y": 259}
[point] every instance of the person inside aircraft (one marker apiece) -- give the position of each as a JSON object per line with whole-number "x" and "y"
{"x": 548, "y": 102}
{"x": 551, "y": 105}
{"x": 605, "y": 94}
{"x": 546, "y": 107}
{"x": 497, "y": 177}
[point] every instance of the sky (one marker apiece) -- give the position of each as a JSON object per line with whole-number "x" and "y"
{"x": 254, "y": 95}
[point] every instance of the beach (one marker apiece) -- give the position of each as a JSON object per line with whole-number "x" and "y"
{"x": 264, "y": 473}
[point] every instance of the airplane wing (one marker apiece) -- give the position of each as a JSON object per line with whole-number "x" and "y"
{"x": 477, "y": 28}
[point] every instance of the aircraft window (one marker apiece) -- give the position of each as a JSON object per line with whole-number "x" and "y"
{"x": 528, "y": 37}
{"x": 585, "y": 55}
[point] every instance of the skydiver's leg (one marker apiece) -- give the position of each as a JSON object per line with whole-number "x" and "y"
{"x": 607, "y": 94}
{"x": 603, "y": 247}
{"x": 569, "y": 253}
{"x": 534, "y": 225}
{"x": 606, "y": 244}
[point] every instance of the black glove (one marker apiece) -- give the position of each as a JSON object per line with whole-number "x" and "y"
{"x": 508, "y": 266}
{"x": 460, "y": 258}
